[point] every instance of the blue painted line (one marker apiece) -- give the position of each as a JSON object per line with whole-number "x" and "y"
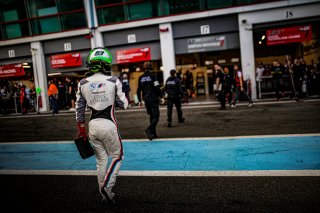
{"x": 276, "y": 153}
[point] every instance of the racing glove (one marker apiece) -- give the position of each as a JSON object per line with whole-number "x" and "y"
{"x": 82, "y": 130}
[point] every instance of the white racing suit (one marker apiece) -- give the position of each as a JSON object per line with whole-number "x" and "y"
{"x": 100, "y": 92}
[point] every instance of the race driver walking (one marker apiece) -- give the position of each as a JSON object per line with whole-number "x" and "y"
{"x": 99, "y": 92}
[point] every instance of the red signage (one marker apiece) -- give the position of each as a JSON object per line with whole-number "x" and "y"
{"x": 66, "y": 60}
{"x": 289, "y": 35}
{"x": 11, "y": 70}
{"x": 133, "y": 55}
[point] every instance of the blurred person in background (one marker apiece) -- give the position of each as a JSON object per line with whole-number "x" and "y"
{"x": 71, "y": 93}
{"x": 224, "y": 82}
{"x": 27, "y": 91}
{"x": 277, "y": 71}
{"x": 126, "y": 86}
{"x": 23, "y": 99}
{"x": 174, "y": 91}
{"x": 149, "y": 86}
{"x": 189, "y": 82}
{"x": 298, "y": 77}
{"x": 5, "y": 99}
{"x": 32, "y": 99}
{"x": 53, "y": 97}
{"x": 312, "y": 79}
{"x": 317, "y": 78}
{"x": 2, "y": 94}
{"x": 259, "y": 73}
{"x": 239, "y": 86}
{"x": 185, "y": 97}
{"x": 304, "y": 69}
{"x": 62, "y": 95}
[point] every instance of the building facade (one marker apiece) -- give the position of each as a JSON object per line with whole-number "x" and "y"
{"x": 51, "y": 39}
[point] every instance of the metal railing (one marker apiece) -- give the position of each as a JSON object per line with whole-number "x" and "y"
{"x": 266, "y": 87}
{"x": 13, "y": 104}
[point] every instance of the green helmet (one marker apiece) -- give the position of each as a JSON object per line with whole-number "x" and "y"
{"x": 99, "y": 58}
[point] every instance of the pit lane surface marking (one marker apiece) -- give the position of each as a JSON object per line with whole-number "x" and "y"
{"x": 233, "y": 156}
{"x": 261, "y": 173}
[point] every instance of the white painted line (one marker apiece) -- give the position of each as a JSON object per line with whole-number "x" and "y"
{"x": 49, "y": 172}
{"x": 223, "y": 173}
{"x": 224, "y": 138}
{"x": 176, "y": 139}
{"x": 33, "y": 142}
{"x": 258, "y": 173}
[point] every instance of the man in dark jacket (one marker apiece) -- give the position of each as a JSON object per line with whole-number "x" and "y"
{"x": 224, "y": 81}
{"x": 150, "y": 88}
{"x": 277, "y": 71}
{"x": 298, "y": 75}
{"x": 174, "y": 91}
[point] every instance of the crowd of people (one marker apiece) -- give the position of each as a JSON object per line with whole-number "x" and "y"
{"x": 228, "y": 86}
{"x": 17, "y": 98}
{"x": 304, "y": 79}
{"x": 62, "y": 94}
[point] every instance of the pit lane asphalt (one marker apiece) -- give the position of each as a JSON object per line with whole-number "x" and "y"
{"x": 201, "y": 121}
{"x": 161, "y": 194}
{"x": 40, "y": 193}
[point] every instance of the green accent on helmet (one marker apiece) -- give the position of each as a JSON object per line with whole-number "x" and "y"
{"x": 99, "y": 58}
{"x": 95, "y": 68}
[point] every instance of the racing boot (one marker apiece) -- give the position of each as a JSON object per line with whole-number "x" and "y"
{"x": 108, "y": 196}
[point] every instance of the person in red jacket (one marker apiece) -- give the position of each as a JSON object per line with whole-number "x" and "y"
{"x": 239, "y": 87}
{"x": 23, "y": 98}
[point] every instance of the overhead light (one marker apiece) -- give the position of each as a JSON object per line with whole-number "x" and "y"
{"x": 162, "y": 68}
{"x": 234, "y": 60}
{"x": 263, "y": 37}
{"x": 208, "y": 62}
{"x": 26, "y": 66}
{"x": 25, "y": 63}
{"x": 53, "y": 74}
{"x": 260, "y": 42}
{"x": 138, "y": 69}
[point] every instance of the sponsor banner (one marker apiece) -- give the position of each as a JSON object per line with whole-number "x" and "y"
{"x": 289, "y": 35}
{"x": 133, "y": 55}
{"x": 203, "y": 44}
{"x": 66, "y": 60}
{"x": 11, "y": 70}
